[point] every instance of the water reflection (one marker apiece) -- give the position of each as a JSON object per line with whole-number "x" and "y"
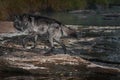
{"x": 96, "y": 19}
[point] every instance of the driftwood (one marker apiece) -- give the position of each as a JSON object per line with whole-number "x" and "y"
{"x": 31, "y": 63}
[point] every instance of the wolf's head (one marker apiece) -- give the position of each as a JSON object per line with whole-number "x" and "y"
{"x": 21, "y": 22}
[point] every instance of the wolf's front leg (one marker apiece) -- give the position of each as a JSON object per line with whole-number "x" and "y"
{"x": 35, "y": 41}
{"x": 51, "y": 46}
{"x": 29, "y": 38}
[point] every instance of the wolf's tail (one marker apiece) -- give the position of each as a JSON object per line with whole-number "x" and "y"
{"x": 67, "y": 31}
{"x": 62, "y": 26}
{"x": 61, "y": 30}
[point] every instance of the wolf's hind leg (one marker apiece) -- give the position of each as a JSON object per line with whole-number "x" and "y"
{"x": 24, "y": 42}
{"x": 61, "y": 44}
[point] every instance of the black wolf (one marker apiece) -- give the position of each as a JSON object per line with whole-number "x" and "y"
{"x": 38, "y": 25}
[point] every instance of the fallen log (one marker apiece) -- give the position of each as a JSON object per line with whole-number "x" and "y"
{"x": 54, "y": 64}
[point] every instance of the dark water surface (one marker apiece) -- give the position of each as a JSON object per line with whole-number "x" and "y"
{"x": 96, "y": 18}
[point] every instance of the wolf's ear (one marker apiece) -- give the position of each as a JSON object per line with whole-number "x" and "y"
{"x": 31, "y": 19}
{"x": 25, "y": 17}
{"x": 16, "y": 17}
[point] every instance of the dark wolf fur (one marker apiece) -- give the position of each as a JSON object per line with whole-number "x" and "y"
{"x": 37, "y": 25}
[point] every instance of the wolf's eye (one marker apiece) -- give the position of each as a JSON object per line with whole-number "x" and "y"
{"x": 56, "y": 27}
{"x": 25, "y": 23}
{"x": 42, "y": 28}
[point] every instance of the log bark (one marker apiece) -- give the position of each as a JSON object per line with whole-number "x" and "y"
{"x": 31, "y": 63}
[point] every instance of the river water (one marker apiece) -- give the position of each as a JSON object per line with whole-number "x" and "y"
{"x": 103, "y": 18}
